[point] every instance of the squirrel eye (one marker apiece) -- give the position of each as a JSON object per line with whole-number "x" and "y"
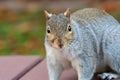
{"x": 69, "y": 28}
{"x": 48, "y": 31}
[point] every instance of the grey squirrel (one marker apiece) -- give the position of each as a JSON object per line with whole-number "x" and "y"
{"x": 87, "y": 40}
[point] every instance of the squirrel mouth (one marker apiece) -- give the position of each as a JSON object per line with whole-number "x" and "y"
{"x": 60, "y": 45}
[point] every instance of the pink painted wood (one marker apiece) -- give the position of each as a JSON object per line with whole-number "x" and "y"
{"x": 40, "y": 73}
{"x": 29, "y": 68}
{"x": 14, "y": 67}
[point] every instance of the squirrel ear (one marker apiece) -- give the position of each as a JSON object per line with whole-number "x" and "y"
{"x": 47, "y": 15}
{"x": 67, "y": 12}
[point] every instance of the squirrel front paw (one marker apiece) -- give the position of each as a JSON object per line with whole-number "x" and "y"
{"x": 108, "y": 76}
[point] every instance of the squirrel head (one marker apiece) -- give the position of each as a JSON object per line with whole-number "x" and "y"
{"x": 59, "y": 31}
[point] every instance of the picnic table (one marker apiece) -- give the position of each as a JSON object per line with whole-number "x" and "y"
{"x": 29, "y": 68}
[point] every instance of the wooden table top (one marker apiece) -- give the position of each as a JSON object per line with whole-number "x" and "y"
{"x": 14, "y": 67}
{"x": 29, "y": 68}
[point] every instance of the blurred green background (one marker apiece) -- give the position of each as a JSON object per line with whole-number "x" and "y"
{"x": 22, "y": 22}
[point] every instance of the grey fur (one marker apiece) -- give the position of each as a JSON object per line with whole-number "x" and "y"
{"x": 95, "y": 44}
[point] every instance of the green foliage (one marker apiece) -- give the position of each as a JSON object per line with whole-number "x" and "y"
{"x": 23, "y": 36}
{"x": 116, "y": 14}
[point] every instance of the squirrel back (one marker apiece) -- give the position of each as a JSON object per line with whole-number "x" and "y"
{"x": 90, "y": 13}
{"x": 98, "y": 19}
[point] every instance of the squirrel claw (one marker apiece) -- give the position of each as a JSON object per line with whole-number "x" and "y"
{"x": 108, "y": 76}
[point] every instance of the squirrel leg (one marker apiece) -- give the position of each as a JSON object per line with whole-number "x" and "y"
{"x": 54, "y": 69}
{"x": 115, "y": 66}
{"x": 112, "y": 51}
{"x": 115, "y": 63}
{"x": 85, "y": 74}
{"x": 113, "y": 57}
{"x": 85, "y": 69}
